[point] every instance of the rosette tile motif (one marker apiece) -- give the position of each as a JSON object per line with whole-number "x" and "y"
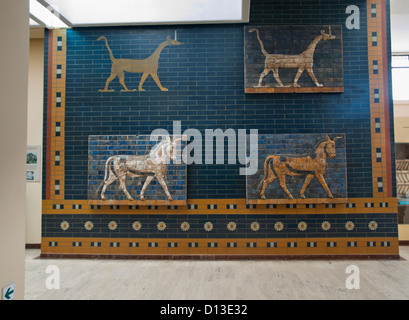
{"x": 326, "y": 225}
{"x": 112, "y": 225}
{"x": 255, "y": 226}
{"x": 349, "y": 226}
{"x": 161, "y": 225}
{"x": 302, "y": 226}
{"x": 64, "y": 225}
{"x": 137, "y": 226}
{"x": 373, "y": 225}
{"x": 88, "y": 225}
{"x": 278, "y": 226}
{"x": 208, "y": 226}
{"x": 185, "y": 226}
{"x": 231, "y": 226}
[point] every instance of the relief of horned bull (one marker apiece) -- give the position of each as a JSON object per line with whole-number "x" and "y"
{"x": 313, "y": 164}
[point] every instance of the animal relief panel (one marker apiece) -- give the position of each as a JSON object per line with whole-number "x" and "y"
{"x": 147, "y": 66}
{"x": 295, "y": 168}
{"x": 293, "y": 59}
{"x": 133, "y": 170}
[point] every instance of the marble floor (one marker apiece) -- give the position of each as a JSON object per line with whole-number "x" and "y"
{"x": 214, "y": 280}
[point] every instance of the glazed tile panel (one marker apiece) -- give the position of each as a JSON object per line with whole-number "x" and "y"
{"x": 310, "y": 151}
{"x": 279, "y": 52}
{"x": 205, "y": 81}
{"x": 101, "y": 148}
{"x": 218, "y": 226}
{"x": 204, "y": 78}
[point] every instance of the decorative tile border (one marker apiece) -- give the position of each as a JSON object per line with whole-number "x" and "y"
{"x": 378, "y": 80}
{"x": 222, "y": 248}
{"x": 224, "y": 206}
{"x": 55, "y": 172}
{"x": 221, "y": 226}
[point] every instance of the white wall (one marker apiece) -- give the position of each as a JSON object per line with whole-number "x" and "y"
{"x": 400, "y": 44}
{"x": 14, "y": 39}
{"x": 401, "y": 110}
{"x": 35, "y": 136}
{"x": 400, "y": 25}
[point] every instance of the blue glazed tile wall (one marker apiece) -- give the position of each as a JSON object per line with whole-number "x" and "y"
{"x": 205, "y": 78}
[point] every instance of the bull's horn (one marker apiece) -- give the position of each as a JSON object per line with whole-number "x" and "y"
{"x": 339, "y": 138}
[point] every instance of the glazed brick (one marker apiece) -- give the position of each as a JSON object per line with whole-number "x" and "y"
{"x": 292, "y": 146}
{"x": 387, "y": 226}
{"x": 102, "y": 147}
{"x": 205, "y": 81}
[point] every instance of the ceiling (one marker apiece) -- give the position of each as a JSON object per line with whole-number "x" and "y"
{"x": 83, "y": 13}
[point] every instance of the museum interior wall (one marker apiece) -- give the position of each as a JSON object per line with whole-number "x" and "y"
{"x": 13, "y": 141}
{"x": 316, "y": 89}
{"x": 35, "y": 136}
{"x": 401, "y": 117}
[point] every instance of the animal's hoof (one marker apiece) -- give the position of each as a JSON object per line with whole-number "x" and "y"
{"x": 103, "y": 199}
{"x": 303, "y": 197}
{"x": 141, "y": 90}
{"x": 331, "y": 197}
{"x": 320, "y": 85}
{"x": 263, "y": 198}
{"x": 297, "y": 85}
{"x": 142, "y": 199}
{"x": 131, "y": 199}
{"x": 291, "y": 197}
{"x": 164, "y": 89}
{"x": 170, "y": 199}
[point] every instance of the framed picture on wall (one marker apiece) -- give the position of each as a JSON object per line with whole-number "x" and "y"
{"x": 33, "y": 164}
